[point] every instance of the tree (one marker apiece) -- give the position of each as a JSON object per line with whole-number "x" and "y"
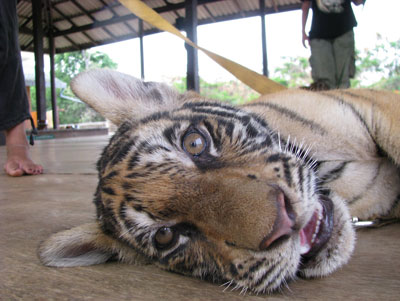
{"x": 67, "y": 66}
{"x": 70, "y": 64}
{"x": 379, "y": 67}
{"x": 294, "y": 73}
{"x": 233, "y": 91}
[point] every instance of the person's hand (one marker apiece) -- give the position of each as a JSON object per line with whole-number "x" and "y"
{"x": 305, "y": 38}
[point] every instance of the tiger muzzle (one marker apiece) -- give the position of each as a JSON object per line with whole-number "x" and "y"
{"x": 241, "y": 211}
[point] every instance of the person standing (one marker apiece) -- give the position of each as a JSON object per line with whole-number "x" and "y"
{"x": 14, "y": 105}
{"x": 331, "y": 40}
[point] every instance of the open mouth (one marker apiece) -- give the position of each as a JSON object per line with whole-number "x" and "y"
{"x": 318, "y": 230}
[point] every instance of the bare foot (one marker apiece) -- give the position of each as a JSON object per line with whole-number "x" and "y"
{"x": 18, "y": 160}
{"x": 19, "y": 163}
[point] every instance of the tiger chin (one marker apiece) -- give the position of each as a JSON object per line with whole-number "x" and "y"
{"x": 249, "y": 197}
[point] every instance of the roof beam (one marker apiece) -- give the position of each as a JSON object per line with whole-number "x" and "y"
{"x": 26, "y": 21}
{"x": 93, "y": 11}
{"x": 92, "y": 18}
{"x": 116, "y": 15}
{"x": 209, "y": 12}
{"x": 125, "y": 20}
{"x": 104, "y": 42}
{"x": 73, "y": 24}
{"x": 114, "y": 20}
{"x": 237, "y": 4}
{"x": 26, "y": 30}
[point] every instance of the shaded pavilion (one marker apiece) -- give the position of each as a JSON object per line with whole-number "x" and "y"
{"x": 57, "y": 26}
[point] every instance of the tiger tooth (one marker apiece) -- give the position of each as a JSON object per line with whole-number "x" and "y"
{"x": 317, "y": 226}
{"x": 316, "y": 230}
{"x": 313, "y": 237}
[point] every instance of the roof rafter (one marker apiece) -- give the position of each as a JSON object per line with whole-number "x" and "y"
{"x": 116, "y": 23}
{"x": 73, "y": 24}
{"x": 92, "y": 18}
{"x": 116, "y": 15}
{"x": 168, "y": 8}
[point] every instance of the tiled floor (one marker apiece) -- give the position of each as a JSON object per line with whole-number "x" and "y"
{"x": 33, "y": 207}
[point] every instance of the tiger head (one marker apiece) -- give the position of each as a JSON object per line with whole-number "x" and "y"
{"x": 204, "y": 189}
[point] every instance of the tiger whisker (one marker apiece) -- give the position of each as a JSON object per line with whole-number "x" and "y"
{"x": 227, "y": 284}
{"x": 243, "y": 291}
{"x": 125, "y": 232}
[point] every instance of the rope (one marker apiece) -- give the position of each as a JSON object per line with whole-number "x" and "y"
{"x": 254, "y": 80}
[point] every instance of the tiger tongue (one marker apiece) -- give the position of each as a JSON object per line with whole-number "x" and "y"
{"x": 310, "y": 231}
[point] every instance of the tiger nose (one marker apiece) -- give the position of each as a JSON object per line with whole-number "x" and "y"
{"x": 284, "y": 222}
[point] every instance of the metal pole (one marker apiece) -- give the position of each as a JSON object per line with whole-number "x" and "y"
{"x": 39, "y": 63}
{"x": 263, "y": 38}
{"x": 141, "y": 49}
{"x": 52, "y": 51}
{"x": 192, "y": 79}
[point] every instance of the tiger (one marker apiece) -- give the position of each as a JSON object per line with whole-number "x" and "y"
{"x": 250, "y": 196}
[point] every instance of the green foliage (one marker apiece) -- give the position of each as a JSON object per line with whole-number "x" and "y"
{"x": 382, "y": 63}
{"x": 377, "y": 67}
{"x": 68, "y": 111}
{"x": 234, "y": 92}
{"x": 33, "y": 98}
{"x": 294, "y": 73}
{"x": 70, "y": 64}
{"x": 76, "y": 112}
{"x": 67, "y": 66}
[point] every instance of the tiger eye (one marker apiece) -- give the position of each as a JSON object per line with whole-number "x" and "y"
{"x": 194, "y": 143}
{"x": 164, "y": 237}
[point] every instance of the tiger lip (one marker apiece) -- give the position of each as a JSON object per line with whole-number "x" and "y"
{"x": 318, "y": 231}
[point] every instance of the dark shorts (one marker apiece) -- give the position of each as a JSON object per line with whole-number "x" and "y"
{"x": 14, "y": 105}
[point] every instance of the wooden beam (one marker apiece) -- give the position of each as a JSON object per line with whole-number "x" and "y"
{"x": 110, "y": 7}
{"x": 124, "y": 19}
{"x": 92, "y": 18}
{"x": 174, "y": 10}
{"x": 168, "y": 8}
{"x": 239, "y": 8}
{"x": 103, "y": 42}
{"x": 95, "y": 43}
{"x": 39, "y": 63}
{"x": 209, "y": 12}
{"x": 26, "y": 21}
{"x": 93, "y": 25}
{"x": 25, "y": 47}
{"x": 25, "y": 30}
{"x": 192, "y": 75}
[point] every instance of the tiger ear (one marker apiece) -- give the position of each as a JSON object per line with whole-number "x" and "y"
{"x": 85, "y": 245}
{"x": 120, "y": 97}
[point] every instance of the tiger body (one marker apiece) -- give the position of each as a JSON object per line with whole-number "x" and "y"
{"x": 248, "y": 196}
{"x": 353, "y": 135}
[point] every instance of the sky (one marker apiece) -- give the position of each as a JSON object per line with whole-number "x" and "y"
{"x": 240, "y": 41}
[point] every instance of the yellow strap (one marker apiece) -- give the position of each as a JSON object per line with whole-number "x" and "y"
{"x": 254, "y": 80}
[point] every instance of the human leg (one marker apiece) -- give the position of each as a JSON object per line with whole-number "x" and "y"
{"x": 322, "y": 62}
{"x": 343, "y": 48}
{"x": 18, "y": 159}
{"x": 14, "y": 106}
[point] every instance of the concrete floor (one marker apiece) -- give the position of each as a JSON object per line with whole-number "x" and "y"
{"x": 33, "y": 207}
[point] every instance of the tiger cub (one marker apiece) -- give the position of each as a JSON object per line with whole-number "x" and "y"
{"x": 250, "y": 196}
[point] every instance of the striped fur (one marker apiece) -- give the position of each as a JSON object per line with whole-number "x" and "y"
{"x": 210, "y": 213}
